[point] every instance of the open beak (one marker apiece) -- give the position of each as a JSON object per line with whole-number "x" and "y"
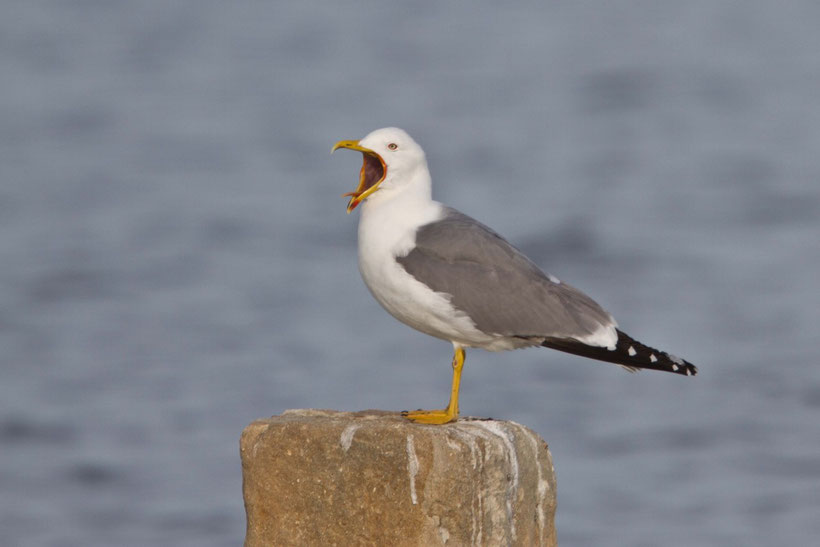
{"x": 372, "y": 174}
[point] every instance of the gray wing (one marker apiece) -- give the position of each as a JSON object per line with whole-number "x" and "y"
{"x": 498, "y": 287}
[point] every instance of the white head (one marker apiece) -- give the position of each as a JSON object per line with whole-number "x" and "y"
{"x": 391, "y": 161}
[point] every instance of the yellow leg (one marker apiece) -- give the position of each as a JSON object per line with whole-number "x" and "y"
{"x": 449, "y": 414}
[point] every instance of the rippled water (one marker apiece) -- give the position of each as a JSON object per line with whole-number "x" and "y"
{"x": 175, "y": 260}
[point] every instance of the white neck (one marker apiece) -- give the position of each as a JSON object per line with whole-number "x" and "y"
{"x": 390, "y": 216}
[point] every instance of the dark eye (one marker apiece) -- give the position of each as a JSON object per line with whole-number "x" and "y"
{"x": 392, "y": 146}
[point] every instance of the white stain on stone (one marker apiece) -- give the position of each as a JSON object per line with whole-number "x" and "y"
{"x": 632, "y": 352}
{"x": 468, "y": 440}
{"x": 469, "y": 436}
{"x": 444, "y": 534}
{"x": 453, "y": 444}
{"x": 543, "y": 484}
{"x": 412, "y": 468}
{"x": 498, "y": 431}
{"x": 347, "y": 436}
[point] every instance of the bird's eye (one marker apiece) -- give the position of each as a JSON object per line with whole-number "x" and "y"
{"x": 392, "y": 146}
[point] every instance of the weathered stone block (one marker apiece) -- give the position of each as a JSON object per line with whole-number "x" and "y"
{"x": 317, "y": 477}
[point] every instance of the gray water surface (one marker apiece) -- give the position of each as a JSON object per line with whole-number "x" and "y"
{"x": 175, "y": 260}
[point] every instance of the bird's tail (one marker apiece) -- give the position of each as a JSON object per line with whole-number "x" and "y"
{"x": 628, "y": 353}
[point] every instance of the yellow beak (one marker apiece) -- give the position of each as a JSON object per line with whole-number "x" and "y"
{"x": 371, "y": 175}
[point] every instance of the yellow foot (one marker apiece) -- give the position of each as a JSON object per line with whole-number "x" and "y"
{"x": 436, "y": 417}
{"x": 449, "y": 414}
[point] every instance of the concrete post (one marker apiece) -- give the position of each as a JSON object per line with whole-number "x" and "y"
{"x": 317, "y": 477}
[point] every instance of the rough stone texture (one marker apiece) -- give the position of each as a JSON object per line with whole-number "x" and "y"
{"x": 318, "y": 477}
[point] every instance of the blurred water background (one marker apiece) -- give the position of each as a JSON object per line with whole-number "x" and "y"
{"x": 175, "y": 260}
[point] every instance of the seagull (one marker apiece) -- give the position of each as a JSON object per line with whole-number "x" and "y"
{"x": 449, "y": 276}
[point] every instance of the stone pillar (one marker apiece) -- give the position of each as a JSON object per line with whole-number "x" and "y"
{"x": 318, "y": 477}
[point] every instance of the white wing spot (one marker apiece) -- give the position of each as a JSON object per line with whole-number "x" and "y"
{"x": 632, "y": 351}
{"x": 675, "y": 358}
{"x": 675, "y": 367}
{"x": 652, "y": 358}
{"x": 605, "y": 336}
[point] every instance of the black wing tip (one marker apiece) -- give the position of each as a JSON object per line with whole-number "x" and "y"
{"x": 686, "y": 369}
{"x": 690, "y": 369}
{"x": 628, "y": 353}
{"x": 642, "y": 356}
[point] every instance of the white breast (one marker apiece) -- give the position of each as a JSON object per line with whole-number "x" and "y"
{"x": 388, "y": 231}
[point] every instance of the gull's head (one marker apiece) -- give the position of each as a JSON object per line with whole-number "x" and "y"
{"x": 390, "y": 157}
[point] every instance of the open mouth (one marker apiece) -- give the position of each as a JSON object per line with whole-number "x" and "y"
{"x": 371, "y": 174}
